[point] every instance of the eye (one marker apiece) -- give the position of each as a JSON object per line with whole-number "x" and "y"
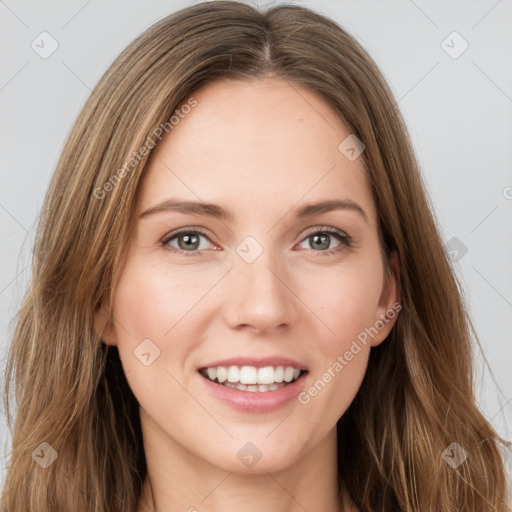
{"x": 321, "y": 238}
{"x": 187, "y": 241}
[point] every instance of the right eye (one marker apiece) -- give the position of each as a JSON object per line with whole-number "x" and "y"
{"x": 188, "y": 241}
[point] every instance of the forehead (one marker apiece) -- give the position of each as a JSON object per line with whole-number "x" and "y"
{"x": 262, "y": 145}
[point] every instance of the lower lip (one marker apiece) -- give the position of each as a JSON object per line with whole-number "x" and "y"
{"x": 256, "y": 401}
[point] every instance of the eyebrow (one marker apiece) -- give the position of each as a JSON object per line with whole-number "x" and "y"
{"x": 216, "y": 211}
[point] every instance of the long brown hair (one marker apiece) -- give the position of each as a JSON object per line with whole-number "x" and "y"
{"x": 417, "y": 397}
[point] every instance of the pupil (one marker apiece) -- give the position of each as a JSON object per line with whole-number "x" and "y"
{"x": 324, "y": 240}
{"x": 189, "y": 240}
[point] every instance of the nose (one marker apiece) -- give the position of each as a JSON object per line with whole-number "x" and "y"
{"x": 260, "y": 295}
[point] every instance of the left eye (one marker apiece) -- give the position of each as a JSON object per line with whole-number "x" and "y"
{"x": 321, "y": 240}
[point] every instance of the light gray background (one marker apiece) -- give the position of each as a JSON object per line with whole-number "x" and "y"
{"x": 458, "y": 111}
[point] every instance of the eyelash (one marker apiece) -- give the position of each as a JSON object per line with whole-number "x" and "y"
{"x": 345, "y": 240}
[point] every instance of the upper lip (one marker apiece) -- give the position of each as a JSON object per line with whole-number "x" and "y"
{"x": 258, "y": 362}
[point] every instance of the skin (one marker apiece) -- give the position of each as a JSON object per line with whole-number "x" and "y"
{"x": 260, "y": 149}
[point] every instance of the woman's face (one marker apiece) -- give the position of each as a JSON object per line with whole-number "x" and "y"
{"x": 272, "y": 282}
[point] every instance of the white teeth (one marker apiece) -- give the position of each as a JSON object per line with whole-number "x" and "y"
{"x": 212, "y": 373}
{"x": 249, "y": 375}
{"x": 279, "y": 374}
{"x": 288, "y": 374}
{"x": 265, "y": 375}
{"x": 233, "y": 374}
{"x": 252, "y": 378}
{"x": 222, "y": 373}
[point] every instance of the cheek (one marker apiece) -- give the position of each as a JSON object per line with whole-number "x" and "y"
{"x": 345, "y": 301}
{"x": 150, "y": 311}
{"x": 150, "y": 302}
{"x": 153, "y": 311}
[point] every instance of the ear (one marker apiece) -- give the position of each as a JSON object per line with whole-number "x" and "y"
{"x": 103, "y": 327}
{"x": 389, "y": 303}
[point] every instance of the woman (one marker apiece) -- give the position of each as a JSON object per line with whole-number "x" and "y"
{"x": 186, "y": 344}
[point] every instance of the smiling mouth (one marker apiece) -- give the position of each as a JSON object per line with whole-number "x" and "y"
{"x": 252, "y": 379}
